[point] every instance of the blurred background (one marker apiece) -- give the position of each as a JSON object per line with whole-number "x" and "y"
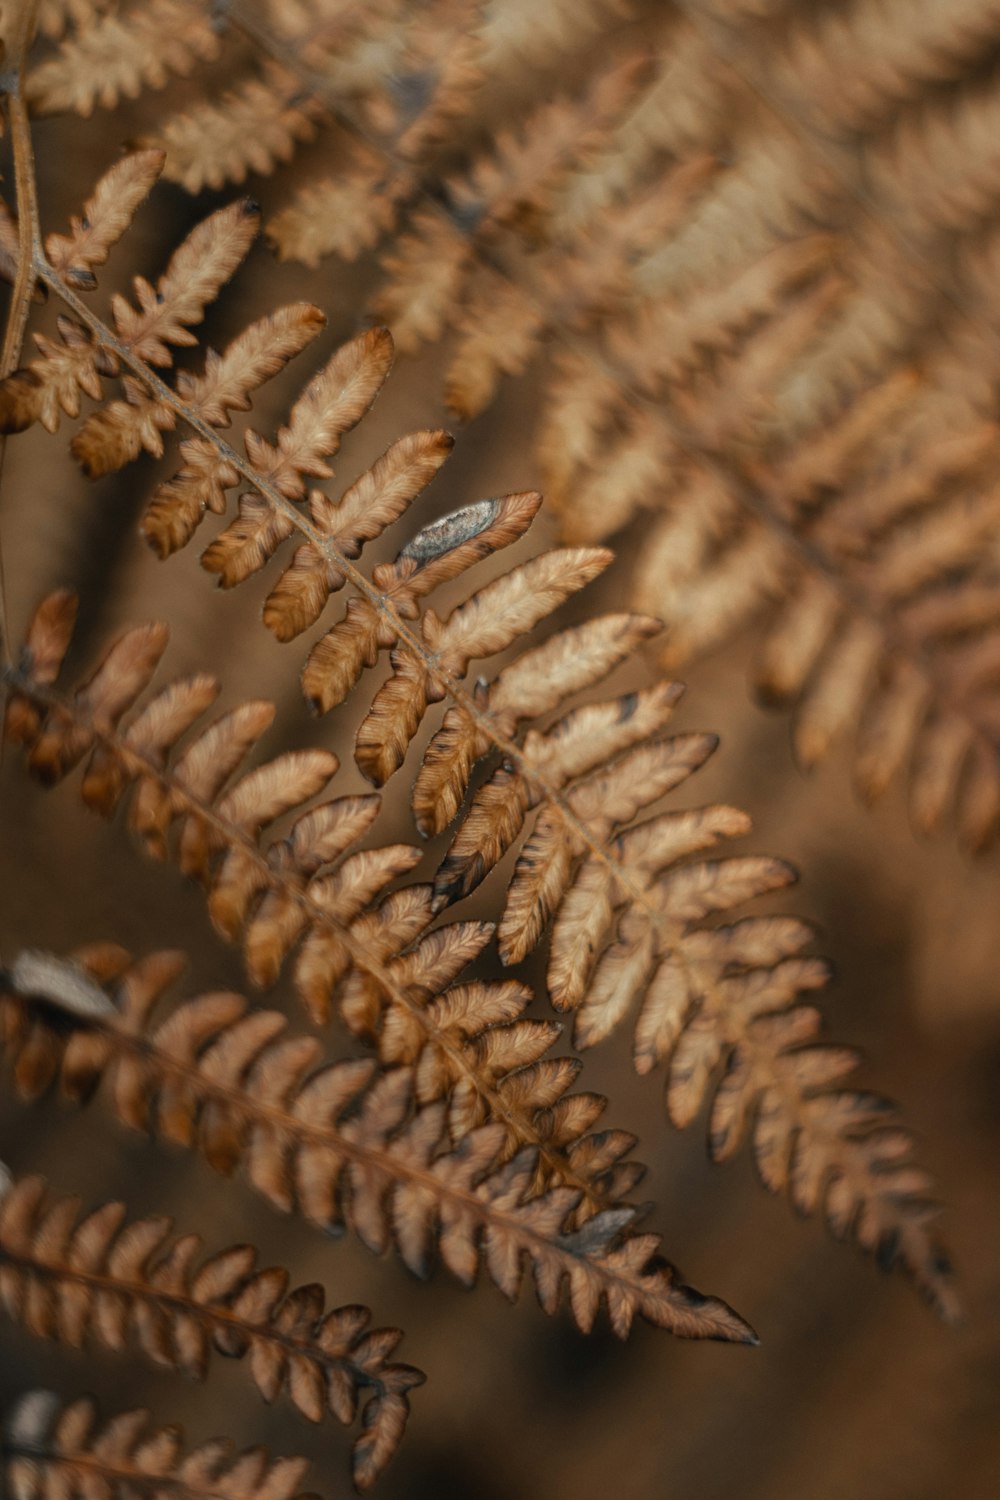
{"x": 855, "y": 1390}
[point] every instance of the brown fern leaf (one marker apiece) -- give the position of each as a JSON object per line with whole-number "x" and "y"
{"x": 333, "y": 402}
{"x": 343, "y": 1144}
{"x": 513, "y": 184}
{"x": 115, "y": 435}
{"x": 851, "y": 68}
{"x": 115, "y": 56}
{"x": 489, "y": 621}
{"x": 626, "y": 901}
{"x": 939, "y": 169}
{"x": 427, "y": 266}
{"x": 575, "y": 286}
{"x": 97, "y": 1278}
{"x": 438, "y": 553}
{"x": 499, "y": 334}
{"x": 669, "y": 338}
{"x": 50, "y": 1449}
{"x": 393, "y": 979}
{"x": 106, "y": 215}
{"x": 340, "y": 215}
{"x": 55, "y": 16}
{"x": 373, "y": 502}
{"x": 206, "y": 259}
{"x": 252, "y": 128}
{"x": 875, "y": 547}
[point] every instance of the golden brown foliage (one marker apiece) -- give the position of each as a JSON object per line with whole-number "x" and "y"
{"x": 717, "y": 240}
{"x": 99, "y": 1279}
{"x": 655, "y": 226}
{"x": 622, "y": 928}
{"x": 50, "y": 1450}
{"x": 339, "y": 1144}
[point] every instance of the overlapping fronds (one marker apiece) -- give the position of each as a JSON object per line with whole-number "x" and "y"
{"x": 73, "y": 365}
{"x": 627, "y": 903}
{"x": 659, "y": 226}
{"x": 729, "y": 249}
{"x": 340, "y": 1143}
{"x": 711, "y": 344}
{"x": 98, "y": 1279}
{"x": 358, "y": 945}
{"x": 626, "y": 900}
{"x": 52, "y": 1450}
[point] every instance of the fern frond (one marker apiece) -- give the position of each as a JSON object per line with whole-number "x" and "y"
{"x": 334, "y": 401}
{"x": 490, "y": 620}
{"x": 49, "y": 1449}
{"x": 852, "y": 67}
{"x": 427, "y": 266}
{"x": 251, "y": 128}
{"x": 342, "y": 1144}
{"x": 106, "y": 215}
{"x": 524, "y": 32}
{"x": 513, "y": 184}
{"x": 116, "y": 56}
{"x": 626, "y": 902}
{"x": 340, "y": 215}
{"x": 55, "y": 16}
{"x": 114, "y": 436}
{"x": 101, "y": 1279}
{"x": 939, "y": 170}
{"x": 197, "y": 269}
{"x": 313, "y": 893}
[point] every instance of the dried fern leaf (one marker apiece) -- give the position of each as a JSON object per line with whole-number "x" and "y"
{"x": 100, "y": 1279}
{"x": 492, "y": 619}
{"x": 49, "y": 1449}
{"x": 106, "y": 215}
{"x": 511, "y": 186}
{"x": 55, "y": 16}
{"x": 426, "y": 269}
{"x": 438, "y": 553}
{"x": 627, "y": 902}
{"x": 372, "y": 503}
{"x": 499, "y": 333}
{"x": 55, "y": 382}
{"x": 343, "y": 1144}
{"x": 539, "y": 681}
{"x": 208, "y": 256}
{"x": 669, "y": 338}
{"x": 196, "y": 270}
{"x": 333, "y": 402}
{"x": 116, "y": 56}
{"x": 115, "y": 435}
{"x": 343, "y": 214}
{"x": 251, "y": 128}
{"x": 526, "y": 33}
{"x": 849, "y": 69}
{"x": 312, "y": 893}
